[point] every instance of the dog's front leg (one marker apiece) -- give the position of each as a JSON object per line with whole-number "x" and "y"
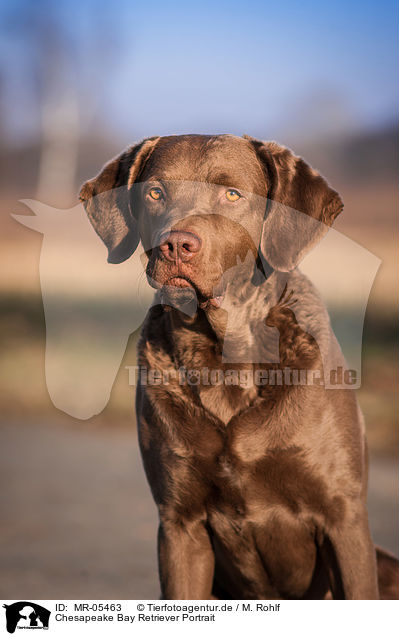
{"x": 186, "y": 560}
{"x": 355, "y": 555}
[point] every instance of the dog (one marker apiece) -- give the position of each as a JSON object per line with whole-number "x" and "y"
{"x": 261, "y": 488}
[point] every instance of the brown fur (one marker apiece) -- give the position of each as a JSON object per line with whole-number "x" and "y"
{"x": 261, "y": 490}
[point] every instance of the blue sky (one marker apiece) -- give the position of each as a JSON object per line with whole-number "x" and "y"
{"x": 257, "y": 67}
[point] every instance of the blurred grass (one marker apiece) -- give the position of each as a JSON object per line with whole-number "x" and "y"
{"x": 22, "y": 372}
{"x": 23, "y": 389}
{"x": 379, "y": 394}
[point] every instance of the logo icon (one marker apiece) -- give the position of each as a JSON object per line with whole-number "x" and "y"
{"x": 26, "y": 615}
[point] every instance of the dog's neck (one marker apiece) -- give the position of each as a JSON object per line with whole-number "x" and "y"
{"x": 237, "y": 329}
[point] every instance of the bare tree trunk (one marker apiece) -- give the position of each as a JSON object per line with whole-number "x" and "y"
{"x": 60, "y": 140}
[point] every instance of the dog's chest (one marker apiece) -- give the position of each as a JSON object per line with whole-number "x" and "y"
{"x": 223, "y": 390}
{"x": 225, "y": 401}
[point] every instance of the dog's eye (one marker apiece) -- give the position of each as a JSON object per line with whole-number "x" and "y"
{"x": 156, "y": 194}
{"x": 233, "y": 195}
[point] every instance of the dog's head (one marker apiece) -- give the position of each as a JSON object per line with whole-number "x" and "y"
{"x": 199, "y": 203}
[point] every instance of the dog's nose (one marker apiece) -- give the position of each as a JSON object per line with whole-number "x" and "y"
{"x": 179, "y": 245}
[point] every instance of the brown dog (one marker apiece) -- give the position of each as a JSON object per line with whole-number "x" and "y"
{"x": 261, "y": 486}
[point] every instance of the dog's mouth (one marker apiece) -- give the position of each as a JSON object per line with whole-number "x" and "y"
{"x": 185, "y": 286}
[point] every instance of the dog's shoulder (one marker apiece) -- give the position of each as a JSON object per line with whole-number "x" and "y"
{"x": 155, "y": 350}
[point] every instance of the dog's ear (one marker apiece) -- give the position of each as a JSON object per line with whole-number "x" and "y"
{"x": 107, "y": 200}
{"x": 301, "y": 206}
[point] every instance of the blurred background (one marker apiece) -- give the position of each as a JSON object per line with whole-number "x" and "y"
{"x": 78, "y": 82}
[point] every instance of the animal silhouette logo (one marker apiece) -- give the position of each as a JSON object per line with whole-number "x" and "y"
{"x": 92, "y": 306}
{"x": 26, "y": 615}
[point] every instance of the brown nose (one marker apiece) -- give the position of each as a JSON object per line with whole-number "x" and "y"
{"x": 179, "y": 245}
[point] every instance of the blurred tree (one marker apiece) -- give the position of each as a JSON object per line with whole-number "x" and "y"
{"x": 60, "y": 54}
{"x": 59, "y": 98}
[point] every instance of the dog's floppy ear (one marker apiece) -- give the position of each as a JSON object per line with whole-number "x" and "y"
{"x": 301, "y": 206}
{"x": 107, "y": 200}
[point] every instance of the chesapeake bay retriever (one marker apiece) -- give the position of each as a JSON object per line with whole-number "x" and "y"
{"x": 261, "y": 485}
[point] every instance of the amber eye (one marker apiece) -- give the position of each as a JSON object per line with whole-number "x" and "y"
{"x": 156, "y": 194}
{"x": 233, "y": 195}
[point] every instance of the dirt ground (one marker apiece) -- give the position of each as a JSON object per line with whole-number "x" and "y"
{"x": 78, "y": 520}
